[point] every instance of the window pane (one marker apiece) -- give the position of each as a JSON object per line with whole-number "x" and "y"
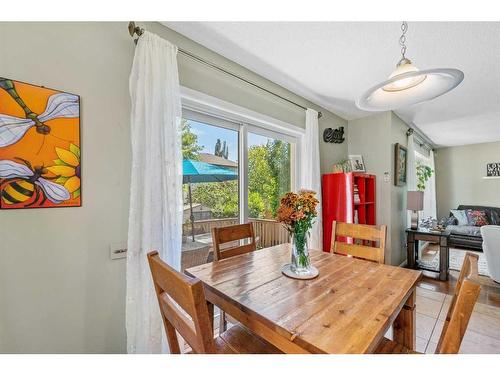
{"x": 269, "y": 177}
{"x": 210, "y": 190}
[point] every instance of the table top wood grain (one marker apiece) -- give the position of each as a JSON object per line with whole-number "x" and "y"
{"x": 346, "y": 309}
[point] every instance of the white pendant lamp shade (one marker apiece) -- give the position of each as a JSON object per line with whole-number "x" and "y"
{"x": 414, "y": 87}
{"x": 408, "y": 85}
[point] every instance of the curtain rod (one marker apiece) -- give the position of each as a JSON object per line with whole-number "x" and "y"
{"x": 422, "y": 140}
{"x": 136, "y": 30}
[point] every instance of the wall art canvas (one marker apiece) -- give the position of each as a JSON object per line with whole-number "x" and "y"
{"x": 39, "y": 147}
{"x": 493, "y": 169}
{"x": 400, "y": 157}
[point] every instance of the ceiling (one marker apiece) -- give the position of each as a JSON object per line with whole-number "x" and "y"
{"x": 332, "y": 63}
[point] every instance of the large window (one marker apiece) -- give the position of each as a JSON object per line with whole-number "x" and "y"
{"x": 233, "y": 173}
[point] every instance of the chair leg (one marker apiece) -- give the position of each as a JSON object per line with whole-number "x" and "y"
{"x": 222, "y": 322}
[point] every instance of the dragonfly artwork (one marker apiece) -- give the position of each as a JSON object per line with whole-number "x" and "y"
{"x": 39, "y": 147}
{"x": 13, "y": 128}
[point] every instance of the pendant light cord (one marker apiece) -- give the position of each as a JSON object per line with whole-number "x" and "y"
{"x": 402, "y": 39}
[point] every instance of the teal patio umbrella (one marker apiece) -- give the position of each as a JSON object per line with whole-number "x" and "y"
{"x": 194, "y": 171}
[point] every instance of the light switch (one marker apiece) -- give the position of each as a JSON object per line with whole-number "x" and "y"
{"x": 118, "y": 250}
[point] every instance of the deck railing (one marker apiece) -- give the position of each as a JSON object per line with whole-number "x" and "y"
{"x": 268, "y": 232}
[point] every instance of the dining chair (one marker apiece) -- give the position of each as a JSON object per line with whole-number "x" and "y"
{"x": 184, "y": 310}
{"x": 459, "y": 313}
{"x": 363, "y": 233}
{"x": 227, "y": 243}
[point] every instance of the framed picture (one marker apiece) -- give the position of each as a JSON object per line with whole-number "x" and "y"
{"x": 493, "y": 170}
{"x": 400, "y": 157}
{"x": 357, "y": 164}
{"x": 39, "y": 147}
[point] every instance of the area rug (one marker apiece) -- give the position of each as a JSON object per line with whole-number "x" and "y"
{"x": 430, "y": 259}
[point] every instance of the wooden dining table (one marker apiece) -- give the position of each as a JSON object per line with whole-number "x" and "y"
{"x": 346, "y": 309}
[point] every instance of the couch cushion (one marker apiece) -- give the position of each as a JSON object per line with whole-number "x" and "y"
{"x": 464, "y": 230}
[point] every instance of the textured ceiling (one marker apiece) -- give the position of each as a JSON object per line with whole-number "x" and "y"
{"x": 332, "y": 63}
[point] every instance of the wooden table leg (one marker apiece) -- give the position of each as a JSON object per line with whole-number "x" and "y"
{"x": 410, "y": 250}
{"x": 404, "y": 326}
{"x": 444, "y": 259}
{"x": 210, "y": 307}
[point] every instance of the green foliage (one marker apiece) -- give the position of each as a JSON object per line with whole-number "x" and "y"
{"x": 269, "y": 175}
{"x": 221, "y": 197}
{"x": 256, "y": 204}
{"x": 190, "y": 147}
{"x": 424, "y": 172}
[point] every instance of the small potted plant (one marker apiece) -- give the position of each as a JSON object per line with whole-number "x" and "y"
{"x": 297, "y": 213}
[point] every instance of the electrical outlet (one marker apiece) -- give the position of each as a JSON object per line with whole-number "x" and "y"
{"x": 118, "y": 250}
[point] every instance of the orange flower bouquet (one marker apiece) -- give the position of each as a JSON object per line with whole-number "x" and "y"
{"x": 297, "y": 213}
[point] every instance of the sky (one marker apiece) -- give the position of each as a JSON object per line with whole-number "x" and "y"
{"x": 208, "y": 135}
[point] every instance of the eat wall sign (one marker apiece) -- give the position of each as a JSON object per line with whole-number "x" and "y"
{"x": 334, "y": 135}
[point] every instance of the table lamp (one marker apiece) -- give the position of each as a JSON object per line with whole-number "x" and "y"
{"x": 415, "y": 203}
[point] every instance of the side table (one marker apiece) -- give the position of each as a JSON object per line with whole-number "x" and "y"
{"x": 413, "y": 236}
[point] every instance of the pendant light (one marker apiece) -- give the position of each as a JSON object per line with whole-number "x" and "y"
{"x": 408, "y": 85}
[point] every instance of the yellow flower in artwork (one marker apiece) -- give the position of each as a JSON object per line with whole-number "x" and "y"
{"x": 67, "y": 168}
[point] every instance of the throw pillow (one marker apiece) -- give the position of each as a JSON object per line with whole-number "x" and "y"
{"x": 461, "y": 216}
{"x": 477, "y": 218}
{"x": 452, "y": 220}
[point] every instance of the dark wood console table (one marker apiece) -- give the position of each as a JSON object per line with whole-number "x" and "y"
{"x": 413, "y": 236}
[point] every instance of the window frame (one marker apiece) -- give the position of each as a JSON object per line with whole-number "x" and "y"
{"x": 201, "y": 107}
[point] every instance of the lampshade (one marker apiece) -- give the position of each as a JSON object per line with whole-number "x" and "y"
{"x": 414, "y": 87}
{"x": 415, "y": 200}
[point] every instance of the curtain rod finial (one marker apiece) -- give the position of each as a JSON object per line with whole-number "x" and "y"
{"x": 133, "y": 29}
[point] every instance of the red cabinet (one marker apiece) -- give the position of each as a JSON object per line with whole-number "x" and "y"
{"x": 349, "y": 198}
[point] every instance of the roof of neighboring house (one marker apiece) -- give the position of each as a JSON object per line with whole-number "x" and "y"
{"x": 217, "y": 160}
{"x": 197, "y": 207}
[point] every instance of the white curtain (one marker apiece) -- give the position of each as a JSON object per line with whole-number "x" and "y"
{"x": 155, "y": 217}
{"x": 310, "y": 175}
{"x": 430, "y": 186}
{"x": 411, "y": 172}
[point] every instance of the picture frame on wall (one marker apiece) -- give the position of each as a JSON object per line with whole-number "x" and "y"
{"x": 39, "y": 147}
{"x": 400, "y": 162}
{"x": 357, "y": 164}
{"x": 493, "y": 170}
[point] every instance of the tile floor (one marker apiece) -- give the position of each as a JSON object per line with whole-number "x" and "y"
{"x": 483, "y": 332}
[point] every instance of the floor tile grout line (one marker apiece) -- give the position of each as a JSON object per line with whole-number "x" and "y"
{"x": 435, "y": 324}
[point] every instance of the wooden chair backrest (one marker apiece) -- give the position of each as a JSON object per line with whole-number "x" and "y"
{"x": 461, "y": 307}
{"x": 183, "y": 307}
{"x": 359, "y": 232}
{"x": 232, "y": 235}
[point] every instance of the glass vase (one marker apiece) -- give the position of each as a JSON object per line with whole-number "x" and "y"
{"x": 301, "y": 263}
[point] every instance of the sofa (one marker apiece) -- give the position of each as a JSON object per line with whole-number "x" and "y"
{"x": 469, "y": 236}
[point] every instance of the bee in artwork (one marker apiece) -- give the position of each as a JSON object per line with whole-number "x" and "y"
{"x": 12, "y": 129}
{"x": 24, "y": 185}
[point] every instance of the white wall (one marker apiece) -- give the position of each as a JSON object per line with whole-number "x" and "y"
{"x": 374, "y": 138}
{"x": 59, "y": 291}
{"x": 459, "y": 176}
{"x": 398, "y": 195}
